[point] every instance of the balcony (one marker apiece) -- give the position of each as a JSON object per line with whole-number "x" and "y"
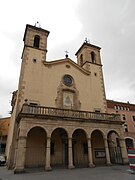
{"x": 50, "y": 112}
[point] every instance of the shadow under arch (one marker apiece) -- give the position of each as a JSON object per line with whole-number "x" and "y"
{"x": 129, "y": 142}
{"x": 35, "y": 147}
{"x": 98, "y": 147}
{"x": 59, "y": 147}
{"x": 80, "y": 148}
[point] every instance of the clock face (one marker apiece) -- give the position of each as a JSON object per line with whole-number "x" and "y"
{"x": 68, "y": 80}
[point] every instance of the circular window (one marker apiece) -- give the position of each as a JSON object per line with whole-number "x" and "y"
{"x": 68, "y": 80}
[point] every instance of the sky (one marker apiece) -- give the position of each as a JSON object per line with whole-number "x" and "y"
{"x": 109, "y": 24}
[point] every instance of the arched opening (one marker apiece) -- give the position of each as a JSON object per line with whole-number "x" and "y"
{"x": 129, "y": 143}
{"x": 36, "y": 41}
{"x": 93, "y": 57}
{"x": 80, "y": 148}
{"x": 35, "y": 147}
{"x": 114, "y": 147}
{"x": 98, "y": 149}
{"x": 59, "y": 148}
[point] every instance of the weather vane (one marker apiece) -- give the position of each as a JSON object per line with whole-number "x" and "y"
{"x": 87, "y": 40}
{"x": 37, "y": 24}
{"x": 66, "y": 53}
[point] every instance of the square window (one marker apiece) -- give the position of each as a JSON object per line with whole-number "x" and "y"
{"x": 124, "y": 116}
{"x": 133, "y": 118}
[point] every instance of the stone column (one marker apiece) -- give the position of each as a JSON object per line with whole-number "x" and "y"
{"x": 133, "y": 143}
{"x": 108, "y": 162}
{"x": 20, "y": 155}
{"x": 47, "y": 164}
{"x": 90, "y": 157}
{"x": 70, "y": 154}
{"x": 123, "y": 150}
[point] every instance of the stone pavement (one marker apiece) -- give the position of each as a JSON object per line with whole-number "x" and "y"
{"x": 97, "y": 173}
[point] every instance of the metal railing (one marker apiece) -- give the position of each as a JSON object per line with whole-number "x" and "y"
{"x": 67, "y": 113}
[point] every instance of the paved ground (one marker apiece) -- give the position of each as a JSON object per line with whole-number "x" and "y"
{"x": 98, "y": 173}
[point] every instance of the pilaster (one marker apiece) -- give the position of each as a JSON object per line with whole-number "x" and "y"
{"x": 20, "y": 155}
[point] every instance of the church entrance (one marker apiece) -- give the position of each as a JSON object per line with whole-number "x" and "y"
{"x": 59, "y": 148}
{"x": 98, "y": 148}
{"x": 35, "y": 147}
{"x": 114, "y": 148}
{"x": 80, "y": 148}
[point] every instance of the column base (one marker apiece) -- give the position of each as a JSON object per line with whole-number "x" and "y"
{"x": 108, "y": 164}
{"x": 91, "y": 165}
{"x": 71, "y": 167}
{"x": 19, "y": 171}
{"x": 48, "y": 168}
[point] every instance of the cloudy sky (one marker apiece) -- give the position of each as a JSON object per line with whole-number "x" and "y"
{"x": 109, "y": 24}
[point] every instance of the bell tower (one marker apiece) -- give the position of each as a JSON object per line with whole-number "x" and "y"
{"x": 88, "y": 53}
{"x": 35, "y": 39}
{"x": 88, "y": 57}
{"x": 33, "y": 55}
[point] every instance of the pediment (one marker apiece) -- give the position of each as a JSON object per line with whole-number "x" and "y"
{"x": 67, "y": 62}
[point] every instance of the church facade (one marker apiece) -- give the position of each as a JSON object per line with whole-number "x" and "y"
{"x": 59, "y": 112}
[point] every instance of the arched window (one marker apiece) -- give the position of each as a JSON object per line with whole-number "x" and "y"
{"x": 36, "y": 41}
{"x": 93, "y": 59}
{"x": 81, "y": 60}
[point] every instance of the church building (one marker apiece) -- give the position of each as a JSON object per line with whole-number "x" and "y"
{"x": 59, "y": 112}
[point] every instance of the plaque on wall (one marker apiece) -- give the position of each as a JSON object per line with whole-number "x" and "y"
{"x": 99, "y": 153}
{"x": 68, "y": 100}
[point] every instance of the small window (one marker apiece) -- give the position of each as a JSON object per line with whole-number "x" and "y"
{"x": 133, "y": 118}
{"x": 126, "y": 127}
{"x": 93, "y": 57}
{"x": 97, "y": 111}
{"x": 122, "y": 108}
{"x": 34, "y": 60}
{"x": 36, "y": 41}
{"x": 33, "y": 104}
{"x": 85, "y": 148}
{"x": 124, "y": 116}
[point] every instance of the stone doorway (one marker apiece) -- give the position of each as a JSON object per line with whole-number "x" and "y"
{"x": 98, "y": 148}
{"x": 59, "y": 148}
{"x": 80, "y": 148}
{"x": 114, "y": 148}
